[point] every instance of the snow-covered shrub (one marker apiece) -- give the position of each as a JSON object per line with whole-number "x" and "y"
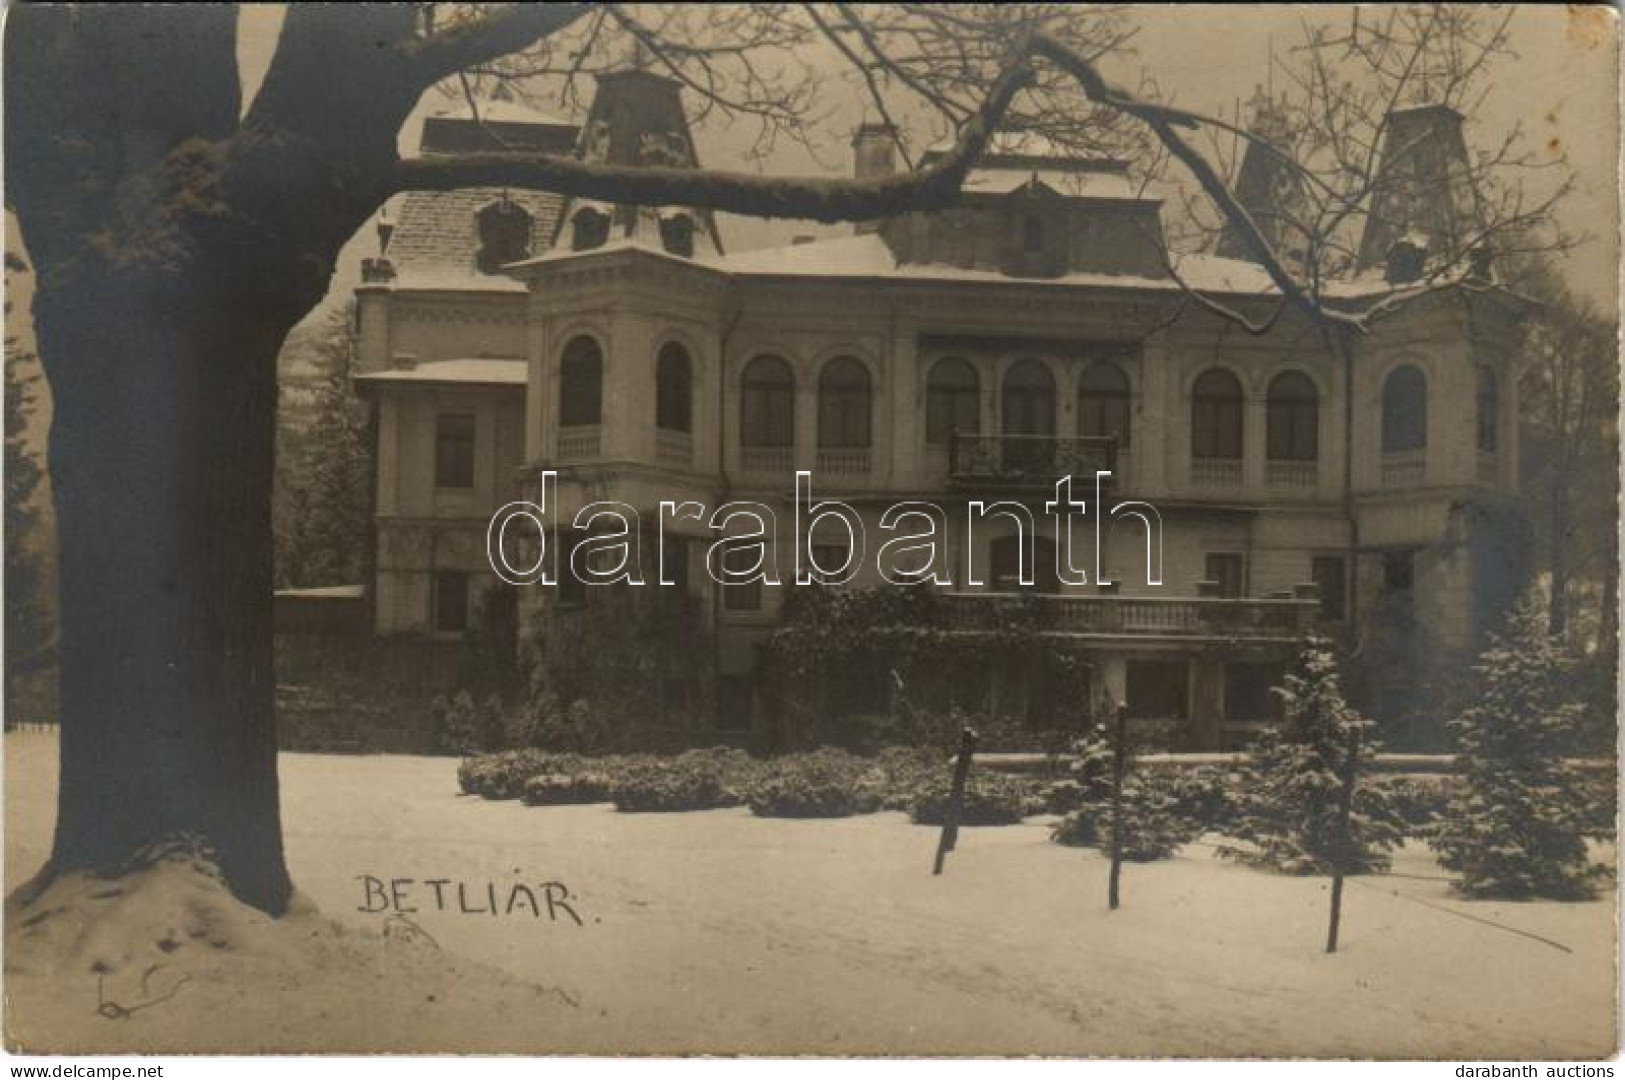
{"x": 558, "y": 788}
{"x": 1203, "y": 796}
{"x": 691, "y": 781}
{"x": 1287, "y": 798}
{"x": 501, "y": 775}
{"x": 823, "y": 783}
{"x": 1417, "y": 799}
{"x": 990, "y": 799}
{"x": 1516, "y": 828}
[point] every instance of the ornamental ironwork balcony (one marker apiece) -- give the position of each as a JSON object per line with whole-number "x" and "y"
{"x": 1028, "y": 460}
{"x": 1135, "y": 616}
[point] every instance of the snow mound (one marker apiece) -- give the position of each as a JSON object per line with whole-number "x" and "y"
{"x": 164, "y": 959}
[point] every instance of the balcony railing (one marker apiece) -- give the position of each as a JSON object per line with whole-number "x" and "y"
{"x": 1155, "y": 616}
{"x": 1292, "y": 475}
{"x": 1216, "y": 472}
{"x": 776, "y": 461}
{"x": 848, "y": 462}
{"x": 1028, "y": 460}
{"x": 580, "y": 443}
{"x": 675, "y": 448}
{"x": 1404, "y": 468}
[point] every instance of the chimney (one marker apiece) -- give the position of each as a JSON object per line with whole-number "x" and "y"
{"x": 874, "y": 154}
{"x": 1425, "y": 189}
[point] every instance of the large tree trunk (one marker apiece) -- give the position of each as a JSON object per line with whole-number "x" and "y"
{"x": 174, "y": 247}
{"x": 161, "y": 453}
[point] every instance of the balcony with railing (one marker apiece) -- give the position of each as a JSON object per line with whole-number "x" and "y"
{"x": 1290, "y": 477}
{"x": 1219, "y": 473}
{"x": 1404, "y": 468}
{"x": 845, "y": 463}
{"x": 1135, "y": 616}
{"x": 580, "y": 443}
{"x": 1028, "y": 460}
{"x": 778, "y": 462}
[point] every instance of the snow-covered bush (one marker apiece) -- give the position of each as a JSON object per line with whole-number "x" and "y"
{"x": 690, "y": 781}
{"x": 558, "y": 788}
{"x": 1516, "y": 828}
{"x": 822, "y": 783}
{"x": 990, "y": 799}
{"x": 1287, "y": 798}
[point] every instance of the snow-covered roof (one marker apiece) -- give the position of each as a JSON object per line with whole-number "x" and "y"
{"x": 436, "y": 234}
{"x": 501, "y": 111}
{"x": 1077, "y": 183}
{"x": 474, "y": 371}
{"x": 867, "y": 256}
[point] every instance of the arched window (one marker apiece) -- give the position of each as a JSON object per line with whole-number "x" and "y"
{"x": 767, "y": 404}
{"x": 1029, "y": 399}
{"x": 504, "y": 230}
{"x": 1489, "y": 411}
{"x": 843, "y": 405}
{"x": 1404, "y": 410}
{"x": 1292, "y": 418}
{"x": 1216, "y": 416}
{"x": 674, "y": 394}
{"x": 1103, "y": 403}
{"x": 581, "y": 384}
{"x": 589, "y": 228}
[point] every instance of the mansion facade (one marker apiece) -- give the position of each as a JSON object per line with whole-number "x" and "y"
{"x": 1038, "y": 329}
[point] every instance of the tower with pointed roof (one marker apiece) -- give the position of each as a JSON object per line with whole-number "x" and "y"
{"x": 1269, "y": 187}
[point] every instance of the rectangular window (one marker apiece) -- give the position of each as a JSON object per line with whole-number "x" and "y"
{"x": 1247, "y": 688}
{"x": 1226, "y": 569}
{"x": 746, "y": 596}
{"x": 450, "y": 602}
{"x": 454, "y": 450}
{"x": 1330, "y": 573}
{"x": 1158, "y": 689}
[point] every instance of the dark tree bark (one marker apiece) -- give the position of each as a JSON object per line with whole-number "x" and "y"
{"x": 174, "y": 249}
{"x": 175, "y": 245}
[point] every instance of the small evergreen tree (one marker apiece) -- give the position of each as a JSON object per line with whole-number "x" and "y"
{"x": 322, "y": 497}
{"x": 1516, "y": 829}
{"x": 1153, "y": 825}
{"x": 1287, "y": 805}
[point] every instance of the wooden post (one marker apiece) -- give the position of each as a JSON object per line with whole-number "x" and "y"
{"x": 956, "y": 799}
{"x": 1119, "y": 762}
{"x": 1345, "y": 805}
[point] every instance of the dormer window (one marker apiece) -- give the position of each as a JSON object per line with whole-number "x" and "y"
{"x": 677, "y": 234}
{"x": 504, "y": 232}
{"x": 589, "y": 229}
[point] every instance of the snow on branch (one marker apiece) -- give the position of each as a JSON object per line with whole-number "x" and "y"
{"x": 929, "y": 187}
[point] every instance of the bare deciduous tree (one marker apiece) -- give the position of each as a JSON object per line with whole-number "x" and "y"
{"x": 177, "y": 239}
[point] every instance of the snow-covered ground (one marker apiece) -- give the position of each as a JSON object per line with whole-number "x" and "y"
{"x": 722, "y": 932}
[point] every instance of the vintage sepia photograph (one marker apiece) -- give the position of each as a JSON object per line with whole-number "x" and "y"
{"x": 812, "y": 530}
